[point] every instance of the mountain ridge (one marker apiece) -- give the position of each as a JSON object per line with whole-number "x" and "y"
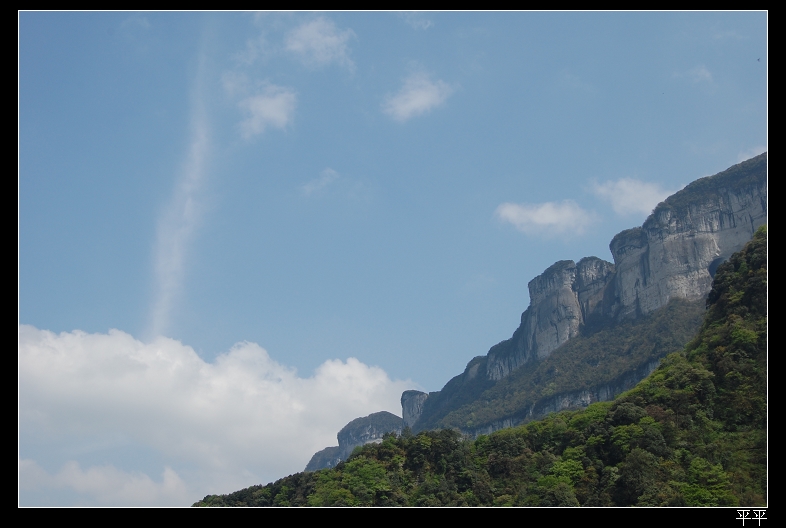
{"x": 693, "y": 433}
{"x": 674, "y": 254}
{"x": 671, "y": 258}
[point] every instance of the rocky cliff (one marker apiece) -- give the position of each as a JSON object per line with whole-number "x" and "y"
{"x": 358, "y": 432}
{"x": 674, "y": 254}
{"x": 562, "y": 299}
{"x": 677, "y": 250}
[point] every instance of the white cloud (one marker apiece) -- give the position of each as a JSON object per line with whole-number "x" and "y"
{"x": 236, "y": 84}
{"x": 179, "y": 221}
{"x": 629, "y": 196}
{"x": 320, "y": 42}
{"x": 696, "y": 74}
{"x": 416, "y": 19}
{"x": 326, "y": 177}
{"x": 546, "y": 219}
{"x": 135, "y": 22}
{"x": 700, "y": 74}
{"x": 728, "y": 34}
{"x": 274, "y": 107}
{"x": 107, "y": 485}
{"x": 418, "y": 96}
{"x": 570, "y": 81}
{"x": 240, "y": 420}
{"x": 751, "y": 153}
{"x": 256, "y": 48}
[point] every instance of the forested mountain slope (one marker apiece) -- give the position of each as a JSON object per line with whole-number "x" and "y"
{"x": 692, "y": 433}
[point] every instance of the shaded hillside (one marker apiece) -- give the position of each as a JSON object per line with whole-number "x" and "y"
{"x": 589, "y": 368}
{"x": 691, "y": 434}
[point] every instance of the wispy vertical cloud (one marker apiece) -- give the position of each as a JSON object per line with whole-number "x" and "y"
{"x": 181, "y": 216}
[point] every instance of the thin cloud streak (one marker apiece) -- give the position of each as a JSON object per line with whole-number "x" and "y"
{"x": 180, "y": 219}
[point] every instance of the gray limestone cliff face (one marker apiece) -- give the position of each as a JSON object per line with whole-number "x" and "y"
{"x": 675, "y": 253}
{"x": 412, "y": 406}
{"x": 358, "y": 432}
{"x": 561, "y": 300}
{"x": 370, "y": 428}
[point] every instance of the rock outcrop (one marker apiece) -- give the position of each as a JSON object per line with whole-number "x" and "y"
{"x": 358, "y": 432}
{"x": 676, "y": 251}
{"x": 412, "y": 406}
{"x": 562, "y": 299}
{"x": 673, "y": 254}
{"x": 327, "y": 458}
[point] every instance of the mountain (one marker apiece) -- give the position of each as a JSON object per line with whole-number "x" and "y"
{"x": 693, "y": 433}
{"x": 358, "y": 432}
{"x": 661, "y": 273}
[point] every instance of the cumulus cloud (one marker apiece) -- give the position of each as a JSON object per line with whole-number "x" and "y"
{"x": 629, "y": 196}
{"x": 240, "y": 420}
{"x": 264, "y": 104}
{"x": 320, "y": 43}
{"x": 546, "y": 219}
{"x": 107, "y": 485}
{"x": 273, "y": 107}
{"x": 418, "y": 96}
{"x": 326, "y": 177}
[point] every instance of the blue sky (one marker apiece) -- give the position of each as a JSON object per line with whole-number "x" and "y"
{"x": 295, "y": 216}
